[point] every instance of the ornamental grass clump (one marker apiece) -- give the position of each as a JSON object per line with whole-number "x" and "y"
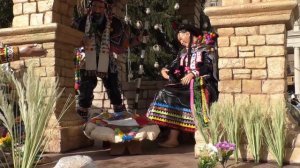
{"x": 232, "y": 123}
{"x": 274, "y": 131}
{"x": 36, "y": 102}
{"x": 215, "y": 125}
{"x": 253, "y": 123}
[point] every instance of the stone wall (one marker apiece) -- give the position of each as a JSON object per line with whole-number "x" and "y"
{"x": 253, "y": 58}
{"x": 249, "y": 61}
{"x": 38, "y": 12}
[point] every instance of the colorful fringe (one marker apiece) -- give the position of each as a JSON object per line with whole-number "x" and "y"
{"x": 77, "y": 62}
{"x": 171, "y": 116}
{"x": 201, "y": 102}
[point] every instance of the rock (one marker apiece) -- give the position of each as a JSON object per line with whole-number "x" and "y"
{"x": 77, "y": 161}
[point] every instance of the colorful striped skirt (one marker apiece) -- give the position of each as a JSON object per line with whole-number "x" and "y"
{"x": 171, "y": 108}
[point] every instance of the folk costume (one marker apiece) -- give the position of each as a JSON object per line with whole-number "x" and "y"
{"x": 172, "y": 105}
{"x": 108, "y": 38}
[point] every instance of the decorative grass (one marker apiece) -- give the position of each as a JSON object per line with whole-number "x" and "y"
{"x": 275, "y": 132}
{"x": 215, "y": 126}
{"x": 36, "y": 102}
{"x": 232, "y": 124}
{"x": 253, "y": 122}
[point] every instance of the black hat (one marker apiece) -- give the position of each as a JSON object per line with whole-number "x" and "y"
{"x": 189, "y": 28}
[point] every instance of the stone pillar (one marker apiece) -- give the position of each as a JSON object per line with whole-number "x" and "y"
{"x": 297, "y": 70}
{"x": 252, "y": 51}
{"x": 47, "y": 22}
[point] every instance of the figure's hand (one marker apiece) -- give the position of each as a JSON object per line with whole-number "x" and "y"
{"x": 31, "y": 50}
{"x": 187, "y": 79}
{"x": 164, "y": 73}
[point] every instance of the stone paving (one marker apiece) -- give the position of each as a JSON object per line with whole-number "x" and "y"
{"x": 153, "y": 157}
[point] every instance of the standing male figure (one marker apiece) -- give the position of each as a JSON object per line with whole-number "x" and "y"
{"x": 104, "y": 36}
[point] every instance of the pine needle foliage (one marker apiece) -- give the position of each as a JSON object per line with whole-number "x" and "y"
{"x": 6, "y": 13}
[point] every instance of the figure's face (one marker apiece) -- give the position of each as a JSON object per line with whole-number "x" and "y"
{"x": 184, "y": 38}
{"x": 98, "y": 7}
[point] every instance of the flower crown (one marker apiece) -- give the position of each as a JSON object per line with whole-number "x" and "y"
{"x": 208, "y": 38}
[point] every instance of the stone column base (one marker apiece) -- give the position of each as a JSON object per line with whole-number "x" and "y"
{"x": 64, "y": 139}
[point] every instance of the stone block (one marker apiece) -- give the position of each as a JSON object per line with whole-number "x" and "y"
{"x": 21, "y": 21}
{"x": 40, "y": 71}
{"x": 275, "y": 39}
{"x": 44, "y": 6}
{"x": 241, "y": 71}
{"x": 268, "y": 51}
{"x": 241, "y": 98}
{"x": 228, "y": 52}
{"x": 97, "y": 103}
{"x": 276, "y": 67}
{"x": 49, "y": 45}
{"x": 35, "y": 62}
{"x": 251, "y": 86}
{"x": 36, "y": 19}
{"x": 275, "y": 98}
{"x": 48, "y": 18}
{"x": 255, "y": 63}
{"x": 64, "y": 143}
{"x": 230, "y": 86}
{"x": 246, "y": 48}
{"x": 106, "y": 104}
{"x": 48, "y": 61}
{"x": 231, "y": 63}
{"x": 52, "y": 71}
{"x": 272, "y": 29}
{"x": 225, "y": 31}
{"x": 246, "y": 54}
{"x": 16, "y": 65}
{"x": 52, "y": 17}
{"x": 246, "y": 31}
{"x": 241, "y": 76}
{"x": 30, "y": 7}
{"x": 99, "y": 96}
{"x": 274, "y": 86}
{"x": 292, "y": 155}
{"x": 224, "y": 97}
{"x": 49, "y": 80}
{"x": 259, "y": 98}
{"x": 259, "y": 74}
{"x": 234, "y": 2}
{"x": 256, "y": 40}
{"x": 18, "y": 9}
{"x": 238, "y": 41}
{"x": 225, "y": 74}
{"x": 19, "y": 1}
{"x": 223, "y": 41}
{"x": 255, "y": 1}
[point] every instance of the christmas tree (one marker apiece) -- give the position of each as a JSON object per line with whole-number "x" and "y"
{"x": 6, "y": 13}
{"x": 160, "y": 18}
